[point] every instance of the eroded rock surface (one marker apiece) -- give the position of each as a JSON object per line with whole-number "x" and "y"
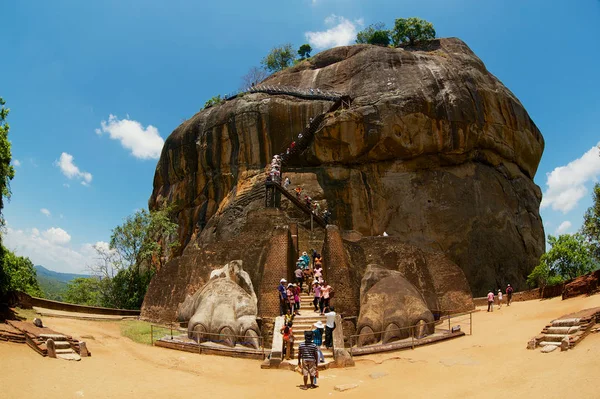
{"x": 224, "y": 310}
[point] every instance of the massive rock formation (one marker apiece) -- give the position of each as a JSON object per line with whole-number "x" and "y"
{"x": 434, "y": 150}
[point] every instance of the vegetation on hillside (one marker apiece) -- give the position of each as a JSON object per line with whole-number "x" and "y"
{"x": 122, "y": 272}
{"x": 16, "y": 272}
{"x": 571, "y": 255}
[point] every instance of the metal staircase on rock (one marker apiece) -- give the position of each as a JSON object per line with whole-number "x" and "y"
{"x": 273, "y": 188}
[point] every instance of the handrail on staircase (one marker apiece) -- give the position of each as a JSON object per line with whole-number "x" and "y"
{"x": 320, "y": 221}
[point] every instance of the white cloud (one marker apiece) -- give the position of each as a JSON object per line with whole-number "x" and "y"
{"x": 16, "y": 162}
{"x": 56, "y": 235}
{"x": 566, "y": 184}
{"x": 70, "y": 170}
{"x": 46, "y": 249}
{"x": 342, "y": 33}
{"x": 563, "y": 228}
{"x": 144, "y": 143}
{"x": 45, "y": 212}
{"x": 67, "y": 185}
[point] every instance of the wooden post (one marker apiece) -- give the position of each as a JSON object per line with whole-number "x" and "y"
{"x": 470, "y": 323}
{"x": 449, "y": 329}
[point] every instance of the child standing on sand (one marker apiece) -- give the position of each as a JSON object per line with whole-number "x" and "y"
{"x": 499, "y": 299}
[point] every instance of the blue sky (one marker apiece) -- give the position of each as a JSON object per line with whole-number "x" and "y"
{"x": 94, "y": 86}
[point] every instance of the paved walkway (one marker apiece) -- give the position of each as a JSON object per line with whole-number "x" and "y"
{"x": 81, "y": 316}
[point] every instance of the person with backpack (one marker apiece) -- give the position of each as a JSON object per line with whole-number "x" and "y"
{"x": 509, "y": 292}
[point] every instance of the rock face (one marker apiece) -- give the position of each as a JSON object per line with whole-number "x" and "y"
{"x": 433, "y": 150}
{"x": 389, "y": 303}
{"x": 224, "y": 310}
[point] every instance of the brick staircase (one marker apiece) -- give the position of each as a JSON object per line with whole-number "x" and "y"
{"x": 305, "y": 322}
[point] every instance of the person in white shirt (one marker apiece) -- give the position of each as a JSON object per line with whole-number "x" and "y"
{"x": 329, "y": 326}
{"x": 499, "y": 299}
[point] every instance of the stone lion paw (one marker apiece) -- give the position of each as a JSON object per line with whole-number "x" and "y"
{"x": 391, "y": 308}
{"x": 224, "y": 310}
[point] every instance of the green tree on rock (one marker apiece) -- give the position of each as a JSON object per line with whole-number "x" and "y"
{"x": 279, "y": 58}
{"x": 412, "y": 30}
{"x": 374, "y": 34}
{"x": 304, "y": 51}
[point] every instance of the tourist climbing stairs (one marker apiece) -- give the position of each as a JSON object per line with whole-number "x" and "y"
{"x": 298, "y": 203}
{"x": 305, "y": 322}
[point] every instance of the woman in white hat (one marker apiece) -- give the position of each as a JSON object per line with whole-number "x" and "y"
{"x": 318, "y": 338}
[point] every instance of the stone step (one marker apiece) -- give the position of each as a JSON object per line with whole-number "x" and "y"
{"x": 63, "y": 351}
{"x": 546, "y": 343}
{"x": 562, "y": 330}
{"x": 54, "y": 337}
{"x": 62, "y": 345}
{"x": 555, "y": 337}
{"x": 565, "y": 322}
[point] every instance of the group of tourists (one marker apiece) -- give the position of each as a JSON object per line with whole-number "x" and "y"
{"x": 491, "y": 298}
{"x": 275, "y": 173}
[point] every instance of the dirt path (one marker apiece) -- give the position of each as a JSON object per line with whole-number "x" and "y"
{"x": 492, "y": 363}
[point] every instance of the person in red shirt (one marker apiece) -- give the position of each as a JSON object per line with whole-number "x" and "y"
{"x": 509, "y": 292}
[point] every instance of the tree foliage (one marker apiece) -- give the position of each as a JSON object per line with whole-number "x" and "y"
{"x": 570, "y": 256}
{"x": 138, "y": 247}
{"x": 7, "y": 171}
{"x": 216, "y": 100}
{"x": 591, "y": 223}
{"x": 84, "y": 291}
{"x": 17, "y": 274}
{"x": 254, "y": 76}
{"x": 412, "y": 30}
{"x": 374, "y": 34}
{"x": 304, "y": 51}
{"x": 279, "y": 58}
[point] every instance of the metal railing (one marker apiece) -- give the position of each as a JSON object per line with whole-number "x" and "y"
{"x": 316, "y": 93}
{"x": 228, "y": 341}
{"x": 449, "y": 324}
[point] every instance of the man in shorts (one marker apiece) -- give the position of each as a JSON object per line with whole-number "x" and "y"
{"x": 308, "y": 358}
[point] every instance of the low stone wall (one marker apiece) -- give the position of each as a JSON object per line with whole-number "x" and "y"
{"x": 517, "y": 297}
{"x": 28, "y": 301}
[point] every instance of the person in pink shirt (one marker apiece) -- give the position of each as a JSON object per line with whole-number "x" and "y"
{"x": 490, "y": 298}
{"x": 325, "y": 296}
{"x": 317, "y": 298}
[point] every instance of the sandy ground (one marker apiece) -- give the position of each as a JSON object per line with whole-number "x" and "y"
{"x": 492, "y": 363}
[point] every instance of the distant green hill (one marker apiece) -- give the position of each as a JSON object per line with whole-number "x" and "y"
{"x": 54, "y": 284}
